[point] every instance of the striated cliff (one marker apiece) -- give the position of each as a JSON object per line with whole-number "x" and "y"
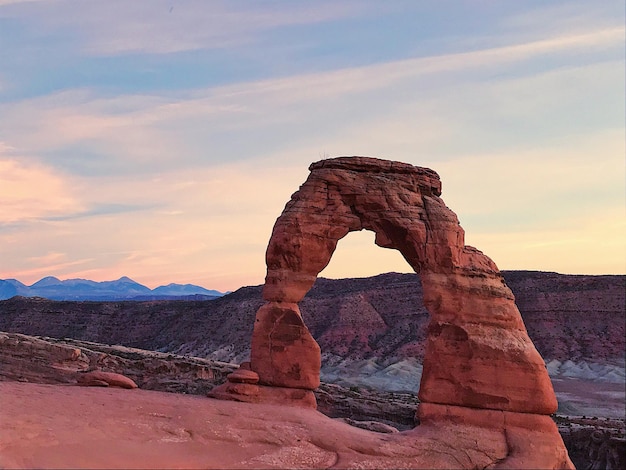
{"x": 568, "y": 318}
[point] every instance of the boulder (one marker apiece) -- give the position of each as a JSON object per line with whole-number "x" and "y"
{"x": 99, "y": 378}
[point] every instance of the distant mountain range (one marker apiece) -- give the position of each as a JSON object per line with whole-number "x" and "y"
{"x": 83, "y": 289}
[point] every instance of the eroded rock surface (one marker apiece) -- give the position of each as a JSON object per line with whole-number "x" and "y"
{"x": 56, "y": 426}
{"x": 46, "y": 360}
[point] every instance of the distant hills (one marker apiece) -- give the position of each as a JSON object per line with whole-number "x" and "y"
{"x": 122, "y": 289}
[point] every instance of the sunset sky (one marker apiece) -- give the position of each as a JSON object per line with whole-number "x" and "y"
{"x": 160, "y": 140}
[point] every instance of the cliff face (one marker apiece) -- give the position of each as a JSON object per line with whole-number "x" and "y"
{"x": 572, "y": 317}
{"x": 218, "y": 329}
{"x": 567, "y": 317}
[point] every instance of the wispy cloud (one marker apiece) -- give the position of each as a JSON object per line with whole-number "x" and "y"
{"x": 32, "y": 191}
{"x": 15, "y": 2}
{"x": 98, "y": 210}
{"x": 153, "y": 131}
{"x": 524, "y": 123}
{"x": 33, "y": 274}
{"x": 166, "y": 26}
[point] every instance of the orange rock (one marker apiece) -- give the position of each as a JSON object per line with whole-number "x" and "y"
{"x": 244, "y": 376}
{"x": 97, "y": 377}
{"x": 283, "y": 352}
{"x": 480, "y": 367}
{"x": 478, "y": 353}
{"x": 532, "y": 440}
{"x": 94, "y": 383}
{"x": 254, "y": 393}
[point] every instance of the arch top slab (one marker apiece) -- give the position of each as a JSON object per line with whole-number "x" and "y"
{"x": 478, "y": 353}
{"x": 399, "y": 202}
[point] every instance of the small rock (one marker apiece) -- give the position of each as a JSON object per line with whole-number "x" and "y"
{"x": 96, "y": 377}
{"x": 243, "y": 376}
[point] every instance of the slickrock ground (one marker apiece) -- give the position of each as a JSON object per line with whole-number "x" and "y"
{"x": 61, "y": 425}
{"x": 65, "y": 426}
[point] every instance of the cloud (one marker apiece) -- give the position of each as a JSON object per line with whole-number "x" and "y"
{"x": 563, "y": 16}
{"x": 208, "y": 227}
{"x": 528, "y": 138}
{"x": 98, "y": 210}
{"x": 89, "y": 134}
{"x": 16, "y": 2}
{"x": 165, "y": 26}
{"x": 47, "y": 264}
{"x": 30, "y": 191}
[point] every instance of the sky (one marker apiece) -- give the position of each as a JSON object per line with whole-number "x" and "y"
{"x": 160, "y": 140}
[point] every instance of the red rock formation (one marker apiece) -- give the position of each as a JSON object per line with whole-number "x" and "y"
{"x": 478, "y": 353}
{"x": 480, "y": 367}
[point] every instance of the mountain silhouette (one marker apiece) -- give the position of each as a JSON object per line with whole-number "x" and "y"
{"x": 123, "y": 288}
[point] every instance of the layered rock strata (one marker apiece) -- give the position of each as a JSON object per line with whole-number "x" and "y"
{"x": 478, "y": 353}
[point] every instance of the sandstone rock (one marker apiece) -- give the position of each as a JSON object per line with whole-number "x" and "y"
{"x": 394, "y": 409}
{"x": 245, "y": 365}
{"x": 480, "y": 367}
{"x": 27, "y": 358}
{"x": 94, "y": 383}
{"x": 244, "y": 376}
{"x": 532, "y": 440}
{"x": 43, "y": 426}
{"x": 57, "y": 361}
{"x": 580, "y": 435}
{"x": 254, "y": 393}
{"x": 284, "y": 353}
{"x": 96, "y": 377}
{"x": 478, "y": 353}
{"x": 373, "y": 426}
{"x": 596, "y": 445}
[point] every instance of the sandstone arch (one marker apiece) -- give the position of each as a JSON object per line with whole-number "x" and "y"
{"x": 478, "y": 353}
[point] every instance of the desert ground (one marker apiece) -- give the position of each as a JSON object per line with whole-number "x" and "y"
{"x": 66, "y": 426}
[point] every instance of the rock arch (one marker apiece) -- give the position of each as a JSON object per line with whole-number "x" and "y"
{"x": 478, "y": 353}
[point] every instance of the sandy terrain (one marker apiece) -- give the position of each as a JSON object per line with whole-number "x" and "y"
{"x": 65, "y": 426}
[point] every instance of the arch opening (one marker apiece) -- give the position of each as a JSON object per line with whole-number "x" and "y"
{"x": 371, "y": 332}
{"x": 357, "y": 255}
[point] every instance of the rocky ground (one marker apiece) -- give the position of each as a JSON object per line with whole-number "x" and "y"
{"x": 593, "y": 442}
{"x": 64, "y": 426}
